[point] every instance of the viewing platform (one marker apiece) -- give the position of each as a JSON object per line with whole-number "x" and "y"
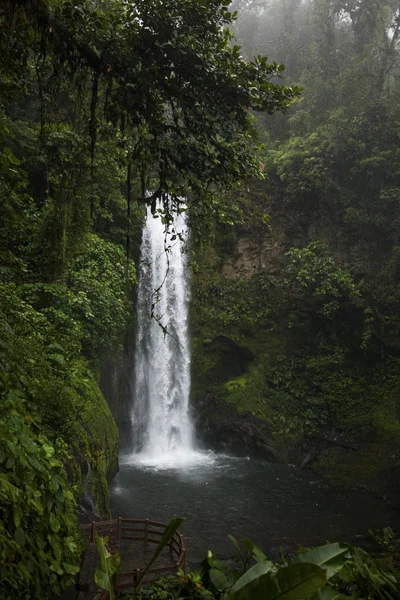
{"x": 135, "y": 540}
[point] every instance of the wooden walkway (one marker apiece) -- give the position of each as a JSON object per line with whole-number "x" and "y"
{"x": 135, "y": 540}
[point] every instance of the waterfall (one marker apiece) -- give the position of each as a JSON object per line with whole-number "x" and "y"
{"x": 162, "y": 430}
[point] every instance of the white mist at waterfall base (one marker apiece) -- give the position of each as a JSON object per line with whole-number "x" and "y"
{"x": 162, "y": 429}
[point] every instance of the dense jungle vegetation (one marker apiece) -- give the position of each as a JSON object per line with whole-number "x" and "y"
{"x": 296, "y": 309}
{"x": 331, "y": 571}
{"x": 107, "y": 106}
{"x": 99, "y": 102}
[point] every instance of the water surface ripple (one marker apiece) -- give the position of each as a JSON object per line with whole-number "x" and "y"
{"x": 274, "y": 505}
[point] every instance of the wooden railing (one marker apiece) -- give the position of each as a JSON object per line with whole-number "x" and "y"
{"x": 146, "y": 531}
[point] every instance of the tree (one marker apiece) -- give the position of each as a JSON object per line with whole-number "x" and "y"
{"x": 168, "y": 76}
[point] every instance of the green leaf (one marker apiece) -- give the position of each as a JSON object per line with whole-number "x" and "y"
{"x": 58, "y": 358}
{"x": 258, "y": 554}
{"x": 49, "y": 450}
{"x": 11, "y": 157}
{"x": 72, "y": 569}
{"x": 54, "y": 523}
{"x": 19, "y": 536}
{"x": 55, "y": 346}
{"x": 218, "y": 579}
{"x": 167, "y": 536}
{"x": 110, "y": 565}
{"x": 327, "y": 593}
{"x": 17, "y": 515}
{"x": 250, "y": 578}
{"x": 220, "y": 566}
{"x": 35, "y": 463}
{"x": 70, "y": 543}
{"x": 60, "y": 496}
{"x": 248, "y": 544}
{"x": 235, "y": 543}
{"x": 30, "y": 565}
{"x": 331, "y": 557}
{"x": 294, "y": 582}
{"x": 299, "y": 581}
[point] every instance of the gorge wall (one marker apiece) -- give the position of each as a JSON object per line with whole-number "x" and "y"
{"x": 279, "y": 367}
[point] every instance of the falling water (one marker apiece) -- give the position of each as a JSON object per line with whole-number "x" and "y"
{"x": 162, "y": 430}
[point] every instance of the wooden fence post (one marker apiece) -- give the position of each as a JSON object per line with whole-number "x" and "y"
{"x": 146, "y": 530}
{"x": 119, "y": 530}
{"x": 184, "y": 558}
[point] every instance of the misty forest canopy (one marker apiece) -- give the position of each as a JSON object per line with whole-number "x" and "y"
{"x": 99, "y": 102}
{"x": 319, "y": 320}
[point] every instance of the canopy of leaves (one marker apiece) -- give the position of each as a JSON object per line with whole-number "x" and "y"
{"x": 165, "y": 74}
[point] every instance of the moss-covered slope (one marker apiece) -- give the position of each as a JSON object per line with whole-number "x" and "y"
{"x": 281, "y": 364}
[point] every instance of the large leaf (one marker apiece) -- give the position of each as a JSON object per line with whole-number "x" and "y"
{"x": 167, "y": 536}
{"x": 214, "y": 563}
{"x": 20, "y": 536}
{"x": 249, "y": 579}
{"x": 295, "y": 582}
{"x": 258, "y": 554}
{"x": 327, "y": 593}
{"x": 218, "y": 579}
{"x": 235, "y": 543}
{"x": 299, "y": 581}
{"x": 331, "y": 557}
{"x": 110, "y": 565}
{"x": 54, "y": 523}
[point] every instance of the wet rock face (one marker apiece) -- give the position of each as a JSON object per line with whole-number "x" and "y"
{"x": 87, "y": 507}
{"x": 116, "y": 384}
{"x": 220, "y": 427}
{"x": 226, "y": 348}
{"x": 252, "y": 256}
{"x": 233, "y": 359}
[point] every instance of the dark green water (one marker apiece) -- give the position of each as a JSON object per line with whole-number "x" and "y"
{"x": 273, "y": 505}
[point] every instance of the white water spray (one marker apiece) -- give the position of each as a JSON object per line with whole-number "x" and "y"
{"x": 162, "y": 430}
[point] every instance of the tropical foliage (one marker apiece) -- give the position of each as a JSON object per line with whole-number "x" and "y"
{"x": 39, "y": 544}
{"x": 331, "y": 571}
{"x": 100, "y": 102}
{"x": 314, "y": 260}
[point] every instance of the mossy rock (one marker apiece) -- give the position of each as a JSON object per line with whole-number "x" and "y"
{"x": 222, "y": 427}
{"x": 98, "y": 434}
{"x": 81, "y": 416}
